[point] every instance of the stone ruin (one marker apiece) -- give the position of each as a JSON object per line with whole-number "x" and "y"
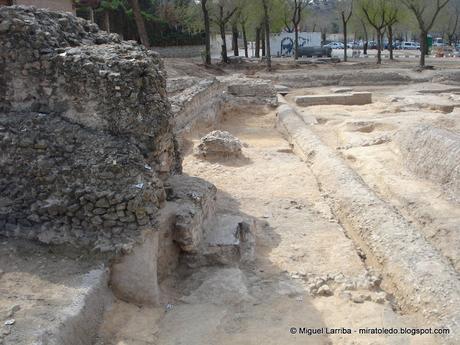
{"x": 90, "y": 157}
{"x": 86, "y": 132}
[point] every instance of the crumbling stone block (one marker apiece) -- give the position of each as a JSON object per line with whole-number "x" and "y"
{"x": 219, "y": 143}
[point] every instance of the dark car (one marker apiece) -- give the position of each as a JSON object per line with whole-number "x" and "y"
{"x": 315, "y": 51}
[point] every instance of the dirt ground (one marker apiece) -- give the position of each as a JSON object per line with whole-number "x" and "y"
{"x": 363, "y": 135}
{"x": 300, "y": 249}
{"x": 39, "y": 286}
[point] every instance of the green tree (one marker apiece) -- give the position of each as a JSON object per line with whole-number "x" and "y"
{"x": 425, "y": 12}
{"x": 376, "y": 12}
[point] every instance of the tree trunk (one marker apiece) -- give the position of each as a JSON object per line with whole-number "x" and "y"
{"x": 366, "y": 36}
{"x": 379, "y": 47}
{"x": 323, "y": 38}
{"x": 224, "y": 43}
{"x": 257, "y": 48}
{"x": 140, "y": 23}
{"x": 235, "y": 39}
{"x": 390, "y": 41}
{"x": 107, "y": 20}
{"x": 207, "y": 32}
{"x": 296, "y": 43}
{"x": 262, "y": 38}
{"x": 267, "y": 35}
{"x": 245, "y": 39}
{"x": 423, "y": 47}
{"x": 91, "y": 15}
{"x": 344, "y": 22}
{"x": 296, "y": 21}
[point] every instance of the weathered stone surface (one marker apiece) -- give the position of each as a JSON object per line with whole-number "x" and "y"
{"x": 86, "y": 132}
{"x": 247, "y": 87}
{"x": 220, "y": 143}
{"x": 355, "y": 98}
{"x": 432, "y": 153}
{"x": 228, "y": 240}
{"x": 195, "y": 199}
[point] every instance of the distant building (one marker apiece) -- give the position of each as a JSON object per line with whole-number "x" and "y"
{"x": 58, "y": 5}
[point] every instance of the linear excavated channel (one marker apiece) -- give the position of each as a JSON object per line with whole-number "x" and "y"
{"x": 420, "y": 278}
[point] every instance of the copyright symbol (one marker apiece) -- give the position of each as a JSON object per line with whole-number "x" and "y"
{"x": 293, "y": 330}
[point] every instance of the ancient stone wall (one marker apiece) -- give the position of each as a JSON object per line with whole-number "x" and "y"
{"x": 85, "y": 131}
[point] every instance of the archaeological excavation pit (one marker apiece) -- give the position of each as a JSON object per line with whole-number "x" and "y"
{"x": 143, "y": 204}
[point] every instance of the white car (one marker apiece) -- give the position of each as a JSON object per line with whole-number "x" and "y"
{"x": 410, "y": 46}
{"x": 335, "y": 45}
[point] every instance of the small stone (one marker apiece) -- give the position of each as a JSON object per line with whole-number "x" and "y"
{"x": 380, "y": 297}
{"x": 96, "y": 220}
{"x": 102, "y": 203}
{"x": 325, "y": 290}
{"x": 358, "y": 299}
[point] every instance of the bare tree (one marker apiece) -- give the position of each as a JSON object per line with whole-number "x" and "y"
{"x": 140, "y": 23}
{"x": 267, "y": 34}
{"x": 299, "y": 6}
{"x": 207, "y": 31}
{"x": 346, "y": 11}
{"x": 375, "y": 12}
{"x": 391, "y": 19}
{"x": 426, "y": 12}
{"x": 243, "y": 22}
{"x": 223, "y": 17}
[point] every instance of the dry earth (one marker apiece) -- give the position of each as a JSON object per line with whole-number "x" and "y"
{"x": 300, "y": 248}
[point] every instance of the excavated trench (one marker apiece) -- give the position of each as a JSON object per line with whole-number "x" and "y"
{"x": 331, "y": 247}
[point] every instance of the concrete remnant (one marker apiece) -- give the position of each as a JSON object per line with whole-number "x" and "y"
{"x": 355, "y": 98}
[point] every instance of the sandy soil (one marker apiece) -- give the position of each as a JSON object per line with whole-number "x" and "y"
{"x": 300, "y": 248}
{"x": 38, "y": 287}
{"x": 363, "y": 135}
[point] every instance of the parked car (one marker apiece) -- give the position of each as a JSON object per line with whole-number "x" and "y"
{"x": 315, "y": 51}
{"x": 410, "y": 45}
{"x": 438, "y": 42}
{"x": 396, "y": 45}
{"x": 372, "y": 45}
{"x": 335, "y": 45}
